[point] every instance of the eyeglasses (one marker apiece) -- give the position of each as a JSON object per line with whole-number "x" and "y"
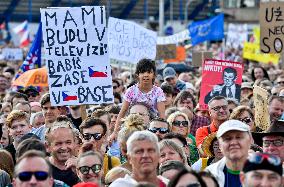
{"x": 246, "y": 120}
{"x": 276, "y": 143}
{"x": 258, "y": 158}
{"x": 96, "y": 136}
{"x": 179, "y": 123}
{"x": 96, "y": 168}
{"x": 217, "y": 108}
{"x": 39, "y": 175}
{"x": 160, "y": 130}
{"x": 196, "y": 184}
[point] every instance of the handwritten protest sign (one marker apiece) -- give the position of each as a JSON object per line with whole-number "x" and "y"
{"x": 237, "y": 35}
{"x": 271, "y": 17}
{"x": 130, "y": 42}
{"x": 75, "y": 43}
{"x": 251, "y": 51}
{"x": 199, "y": 56}
{"x": 220, "y": 77}
{"x": 174, "y": 39}
{"x": 166, "y": 51}
{"x": 12, "y": 54}
{"x": 260, "y": 98}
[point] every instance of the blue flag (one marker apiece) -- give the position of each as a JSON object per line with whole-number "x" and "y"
{"x": 210, "y": 29}
{"x": 33, "y": 59}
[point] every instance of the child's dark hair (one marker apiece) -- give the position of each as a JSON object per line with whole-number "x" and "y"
{"x": 145, "y": 65}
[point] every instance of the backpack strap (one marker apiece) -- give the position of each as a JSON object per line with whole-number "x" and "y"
{"x": 208, "y": 129}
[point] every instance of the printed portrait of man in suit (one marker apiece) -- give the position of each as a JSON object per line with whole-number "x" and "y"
{"x": 228, "y": 89}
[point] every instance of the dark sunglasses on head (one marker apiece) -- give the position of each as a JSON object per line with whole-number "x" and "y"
{"x": 96, "y": 136}
{"x": 179, "y": 123}
{"x": 246, "y": 120}
{"x": 258, "y": 158}
{"x": 39, "y": 175}
{"x": 96, "y": 168}
{"x": 276, "y": 143}
{"x": 160, "y": 130}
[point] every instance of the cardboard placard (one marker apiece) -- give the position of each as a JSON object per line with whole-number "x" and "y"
{"x": 199, "y": 57}
{"x": 166, "y": 51}
{"x": 271, "y": 18}
{"x": 261, "y": 114}
{"x": 180, "y": 55}
{"x": 220, "y": 77}
{"x": 130, "y": 42}
{"x": 75, "y": 41}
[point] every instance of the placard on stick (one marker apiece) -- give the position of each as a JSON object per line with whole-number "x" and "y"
{"x": 271, "y": 18}
{"x": 76, "y": 48}
{"x": 220, "y": 78}
{"x": 166, "y": 51}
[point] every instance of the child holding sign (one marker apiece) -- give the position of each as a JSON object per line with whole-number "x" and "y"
{"x": 143, "y": 92}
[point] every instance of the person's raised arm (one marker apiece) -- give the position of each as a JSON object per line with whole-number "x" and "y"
{"x": 161, "y": 109}
{"x": 123, "y": 110}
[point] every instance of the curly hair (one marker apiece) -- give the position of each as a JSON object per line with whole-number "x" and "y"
{"x": 17, "y": 115}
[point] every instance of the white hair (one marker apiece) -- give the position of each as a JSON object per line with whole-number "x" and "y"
{"x": 141, "y": 136}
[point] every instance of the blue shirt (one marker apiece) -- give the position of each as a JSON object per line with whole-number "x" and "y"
{"x": 232, "y": 178}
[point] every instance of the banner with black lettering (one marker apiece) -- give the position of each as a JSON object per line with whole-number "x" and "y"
{"x": 76, "y": 51}
{"x": 220, "y": 78}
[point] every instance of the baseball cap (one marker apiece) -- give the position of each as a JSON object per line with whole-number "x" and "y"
{"x": 231, "y": 125}
{"x": 247, "y": 85}
{"x": 263, "y": 161}
{"x": 169, "y": 72}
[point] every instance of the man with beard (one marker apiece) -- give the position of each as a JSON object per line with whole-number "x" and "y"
{"x": 143, "y": 155}
{"x": 60, "y": 142}
{"x": 18, "y": 123}
{"x": 275, "y": 107}
{"x": 234, "y": 142}
{"x": 219, "y": 113}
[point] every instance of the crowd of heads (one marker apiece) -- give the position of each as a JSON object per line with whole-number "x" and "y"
{"x": 154, "y": 134}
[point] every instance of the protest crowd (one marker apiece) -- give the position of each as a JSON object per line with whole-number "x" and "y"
{"x": 218, "y": 123}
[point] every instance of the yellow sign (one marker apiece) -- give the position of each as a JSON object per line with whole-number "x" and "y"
{"x": 251, "y": 51}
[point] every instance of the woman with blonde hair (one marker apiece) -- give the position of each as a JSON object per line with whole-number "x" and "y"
{"x": 179, "y": 123}
{"x": 169, "y": 150}
{"x": 132, "y": 123}
{"x": 245, "y": 114}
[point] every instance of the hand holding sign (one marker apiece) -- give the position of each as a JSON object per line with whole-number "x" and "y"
{"x": 217, "y": 89}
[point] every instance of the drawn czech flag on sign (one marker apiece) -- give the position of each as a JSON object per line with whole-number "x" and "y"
{"x": 95, "y": 73}
{"x": 67, "y": 97}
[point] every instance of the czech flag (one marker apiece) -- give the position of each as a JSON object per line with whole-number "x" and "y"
{"x": 67, "y": 97}
{"x": 94, "y": 73}
{"x": 23, "y": 27}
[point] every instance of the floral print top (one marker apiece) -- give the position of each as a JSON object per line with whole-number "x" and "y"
{"x": 134, "y": 95}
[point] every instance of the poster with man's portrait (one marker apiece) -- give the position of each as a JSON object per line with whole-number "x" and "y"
{"x": 220, "y": 78}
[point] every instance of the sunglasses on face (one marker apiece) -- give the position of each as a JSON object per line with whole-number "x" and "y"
{"x": 258, "y": 158}
{"x": 246, "y": 120}
{"x": 160, "y": 130}
{"x": 96, "y": 136}
{"x": 39, "y": 175}
{"x": 96, "y": 168}
{"x": 276, "y": 143}
{"x": 197, "y": 184}
{"x": 180, "y": 123}
{"x": 217, "y": 108}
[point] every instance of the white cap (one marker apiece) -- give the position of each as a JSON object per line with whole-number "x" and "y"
{"x": 232, "y": 125}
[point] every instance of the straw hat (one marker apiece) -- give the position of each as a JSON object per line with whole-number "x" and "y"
{"x": 207, "y": 142}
